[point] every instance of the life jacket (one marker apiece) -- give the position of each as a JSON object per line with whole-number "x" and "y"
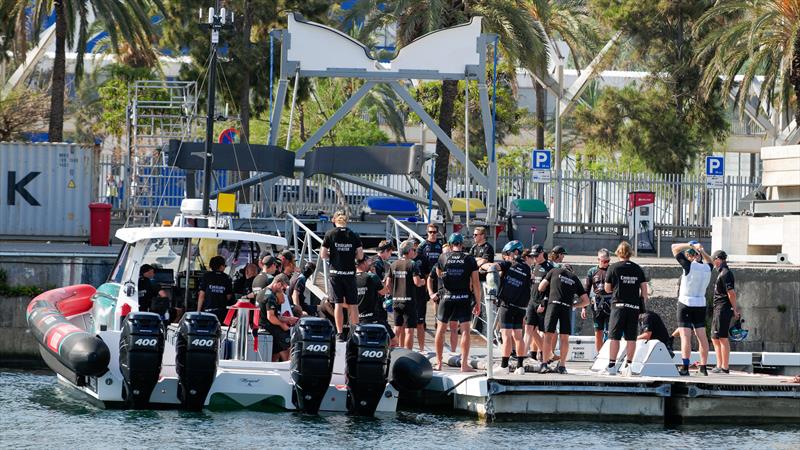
{"x": 693, "y": 286}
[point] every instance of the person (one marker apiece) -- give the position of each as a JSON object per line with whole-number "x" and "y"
{"x": 513, "y": 295}
{"x": 435, "y": 292}
{"x": 482, "y": 251}
{"x": 112, "y": 191}
{"x": 626, "y": 280}
{"x": 534, "y": 320}
{"x": 371, "y": 290}
{"x": 269, "y": 267}
{"x": 146, "y": 287}
{"x": 563, "y": 286}
{"x": 404, "y": 279}
{"x": 342, "y": 247}
{"x": 725, "y": 309}
{"x": 385, "y": 249}
{"x": 243, "y": 286}
{"x": 297, "y": 289}
{"x": 428, "y": 253}
{"x": 273, "y": 318}
{"x": 601, "y": 301}
{"x": 459, "y": 274}
{"x": 557, "y": 255}
{"x": 691, "y": 310}
{"x": 652, "y": 327}
{"x": 216, "y": 289}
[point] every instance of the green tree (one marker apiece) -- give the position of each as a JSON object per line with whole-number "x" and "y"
{"x": 752, "y": 38}
{"x": 127, "y": 21}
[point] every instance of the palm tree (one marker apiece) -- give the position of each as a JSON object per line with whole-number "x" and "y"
{"x": 127, "y": 21}
{"x": 753, "y": 38}
{"x": 567, "y": 20}
{"x": 520, "y": 39}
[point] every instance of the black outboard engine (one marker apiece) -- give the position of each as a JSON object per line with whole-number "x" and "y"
{"x": 141, "y": 346}
{"x": 367, "y": 368}
{"x": 196, "y": 357}
{"x": 313, "y": 350}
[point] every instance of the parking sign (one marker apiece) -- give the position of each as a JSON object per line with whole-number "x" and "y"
{"x": 541, "y": 160}
{"x": 715, "y": 172}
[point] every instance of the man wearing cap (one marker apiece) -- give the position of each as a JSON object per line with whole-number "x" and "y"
{"x": 342, "y": 247}
{"x": 513, "y": 295}
{"x": 370, "y": 297}
{"x": 692, "y": 301}
{"x": 601, "y": 300}
{"x": 564, "y": 286}
{"x": 725, "y": 309}
{"x": 275, "y": 319}
{"x": 216, "y": 289}
{"x": 405, "y": 279}
{"x": 269, "y": 267}
{"x": 534, "y": 320}
{"x": 459, "y": 274}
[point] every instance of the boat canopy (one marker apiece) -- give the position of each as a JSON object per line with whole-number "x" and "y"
{"x": 131, "y": 235}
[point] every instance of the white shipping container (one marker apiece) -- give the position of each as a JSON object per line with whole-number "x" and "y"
{"x": 45, "y": 190}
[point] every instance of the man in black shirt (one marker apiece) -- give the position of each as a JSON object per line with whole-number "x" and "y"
{"x": 274, "y": 320}
{"x": 725, "y": 309}
{"x": 269, "y": 267}
{"x": 626, "y": 280}
{"x": 482, "y": 251}
{"x": 343, "y": 247}
{"x": 243, "y": 286}
{"x": 652, "y": 327}
{"x": 428, "y": 253}
{"x": 459, "y": 274}
{"x": 297, "y": 289}
{"x": 601, "y": 301}
{"x": 514, "y": 294}
{"x": 146, "y": 287}
{"x": 370, "y": 297}
{"x": 385, "y": 249}
{"x": 563, "y": 286}
{"x": 534, "y": 320}
{"x": 216, "y": 289}
{"x": 405, "y": 279}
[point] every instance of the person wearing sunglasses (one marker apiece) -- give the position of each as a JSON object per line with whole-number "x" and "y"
{"x": 428, "y": 253}
{"x": 601, "y": 300}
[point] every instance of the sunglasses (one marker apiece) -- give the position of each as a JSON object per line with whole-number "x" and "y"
{"x": 605, "y": 260}
{"x": 432, "y": 231}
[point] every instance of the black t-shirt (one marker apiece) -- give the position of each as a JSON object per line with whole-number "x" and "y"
{"x": 595, "y": 281}
{"x": 368, "y": 285}
{"x": 342, "y": 244}
{"x": 260, "y": 282}
{"x": 269, "y": 302}
{"x": 626, "y": 277}
{"x": 402, "y": 273}
{"x": 148, "y": 289}
{"x": 243, "y": 285}
{"x": 515, "y": 284}
{"x": 380, "y": 267}
{"x": 537, "y": 275}
{"x": 428, "y": 254}
{"x": 723, "y": 284}
{"x": 297, "y": 283}
{"x": 457, "y": 268}
{"x": 652, "y": 322}
{"x": 217, "y": 286}
{"x": 564, "y": 286}
{"x": 686, "y": 264}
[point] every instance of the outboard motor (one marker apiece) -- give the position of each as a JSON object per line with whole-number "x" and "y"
{"x": 367, "y": 368}
{"x": 196, "y": 357}
{"x": 141, "y": 346}
{"x": 313, "y": 351}
{"x": 409, "y": 370}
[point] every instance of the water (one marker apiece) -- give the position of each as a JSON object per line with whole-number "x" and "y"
{"x": 36, "y": 412}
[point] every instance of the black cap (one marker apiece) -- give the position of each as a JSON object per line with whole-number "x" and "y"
{"x": 537, "y": 249}
{"x": 719, "y": 254}
{"x": 559, "y": 249}
{"x": 269, "y": 260}
{"x": 145, "y": 268}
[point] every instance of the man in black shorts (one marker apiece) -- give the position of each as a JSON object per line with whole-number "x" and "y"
{"x": 691, "y": 312}
{"x": 343, "y": 247}
{"x": 370, "y": 297}
{"x": 216, "y": 290}
{"x": 458, "y": 272}
{"x": 601, "y": 301}
{"x": 297, "y": 289}
{"x": 563, "y": 285}
{"x": 513, "y": 295}
{"x": 652, "y": 327}
{"x": 725, "y": 309}
{"x": 405, "y": 279}
{"x": 626, "y": 280}
{"x": 534, "y": 320}
{"x": 428, "y": 254}
{"x": 273, "y": 320}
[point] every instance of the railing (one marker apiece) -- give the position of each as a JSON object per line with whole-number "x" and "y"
{"x": 394, "y": 227}
{"x": 304, "y": 248}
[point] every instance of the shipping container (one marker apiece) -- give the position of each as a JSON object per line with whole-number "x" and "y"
{"x": 45, "y": 190}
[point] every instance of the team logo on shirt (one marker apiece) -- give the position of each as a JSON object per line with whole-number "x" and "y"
{"x": 628, "y": 280}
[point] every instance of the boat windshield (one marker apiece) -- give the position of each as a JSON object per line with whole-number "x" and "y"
{"x": 168, "y": 255}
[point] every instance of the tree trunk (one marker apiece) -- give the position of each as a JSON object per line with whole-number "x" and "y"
{"x": 244, "y": 93}
{"x": 449, "y": 92}
{"x": 55, "y": 131}
{"x": 541, "y": 100}
{"x": 794, "y": 76}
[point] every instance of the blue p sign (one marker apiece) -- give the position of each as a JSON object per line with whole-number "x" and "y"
{"x": 541, "y": 160}
{"x": 715, "y": 166}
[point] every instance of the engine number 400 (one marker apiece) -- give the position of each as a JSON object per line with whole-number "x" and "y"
{"x": 372, "y": 354}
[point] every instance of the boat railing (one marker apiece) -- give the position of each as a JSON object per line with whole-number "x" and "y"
{"x": 307, "y": 244}
{"x": 395, "y": 227}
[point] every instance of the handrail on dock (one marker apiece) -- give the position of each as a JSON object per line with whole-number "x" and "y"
{"x": 394, "y": 226}
{"x": 305, "y": 250}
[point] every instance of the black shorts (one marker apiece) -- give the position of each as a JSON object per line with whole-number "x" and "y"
{"x": 511, "y": 317}
{"x": 624, "y": 322}
{"x": 405, "y": 313}
{"x": 344, "y": 289}
{"x": 280, "y": 339}
{"x": 455, "y": 308}
{"x": 422, "y": 306}
{"x": 691, "y": 316}
{"x": 600, "y": 320}
{"x": 558, "y": 317}
{"x": 533, "y": 318}
{"x": 721, "y": 322}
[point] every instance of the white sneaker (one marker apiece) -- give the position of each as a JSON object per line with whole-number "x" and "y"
{"x": 520, "y": 371}
{"x": 625, "y": 371}
{"x": 610, "y": 371}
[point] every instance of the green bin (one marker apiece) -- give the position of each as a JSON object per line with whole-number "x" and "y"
{"x": 528, "y": 221}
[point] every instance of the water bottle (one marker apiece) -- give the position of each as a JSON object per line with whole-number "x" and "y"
{"x": 387, "y": 305}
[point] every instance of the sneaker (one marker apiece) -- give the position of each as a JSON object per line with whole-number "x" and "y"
{"x": 561, "y": 370}
{"x": 704, "y": 370}
{"x": 684, "y": 372}
{"x": 611, "y": 371}
{"x": 544, "y": 368}
{"x": 520, "y": 371}
{"x": 719, "y": 370}
{"x": 342, "y": 337}
{"x": 625, "y": 371}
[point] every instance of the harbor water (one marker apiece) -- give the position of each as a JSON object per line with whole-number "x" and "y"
{"x": 37, "y": 412}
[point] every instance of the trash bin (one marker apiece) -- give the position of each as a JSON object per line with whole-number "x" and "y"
{"x": 528, "y": 221}
{"x": 477, "y": 209}
{"x": 99, "y": 224}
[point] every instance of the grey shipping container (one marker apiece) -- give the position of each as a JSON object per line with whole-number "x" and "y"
{"x": 45, "y": 190}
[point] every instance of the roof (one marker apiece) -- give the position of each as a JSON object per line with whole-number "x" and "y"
{"x": 131, "y": 235}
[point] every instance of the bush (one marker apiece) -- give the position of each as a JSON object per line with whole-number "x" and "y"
{"x": 17, "y": 291}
